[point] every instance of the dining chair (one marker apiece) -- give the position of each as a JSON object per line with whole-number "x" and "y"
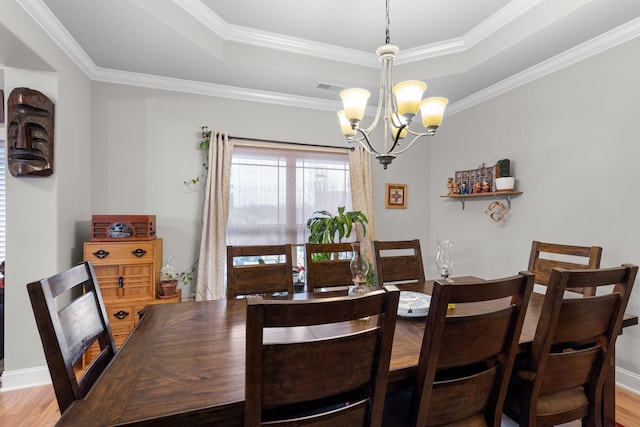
{"x": 562, "y": 378}
{"x": 336, "y": 376}
{"x": 547, "y": 256}
{"x": 71, "y": 317}
{"x": 264, "y": 269}
{"x": 328, "y": 266}
{"x": 398, "y": 261}
{"x": 467, "y": 355}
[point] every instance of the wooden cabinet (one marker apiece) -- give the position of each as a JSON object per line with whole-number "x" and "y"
{"x": 126, "y": 270}
{"x": 128, "y": 273}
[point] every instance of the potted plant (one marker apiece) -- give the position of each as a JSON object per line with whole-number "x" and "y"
{"x": 168, "y": 282}
{"x": 504, "y": 180}
{"x": 324, "y": 226}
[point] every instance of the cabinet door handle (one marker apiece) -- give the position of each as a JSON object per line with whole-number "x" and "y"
{"x": 101, "y": 254}
{"x": 120, "y": 282}
{"x": 120, "y": 314}
{"x": 139, "y": 252}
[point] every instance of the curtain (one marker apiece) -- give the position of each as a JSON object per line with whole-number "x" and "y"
{"x": 362, "y": 194}
{"x": 215, "y": 212}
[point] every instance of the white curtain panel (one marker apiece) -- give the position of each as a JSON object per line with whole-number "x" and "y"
{"x": 362, "y": 194}
{"x": 213, "y": 248}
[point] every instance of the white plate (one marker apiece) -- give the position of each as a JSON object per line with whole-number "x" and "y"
{"x": 413, "y": 304}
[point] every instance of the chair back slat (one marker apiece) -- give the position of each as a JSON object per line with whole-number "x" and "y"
{"x": 461, "y": 400}
{"x": 581, "y": 364}
{"x": 398, "y": 261}
{"x": 485, "y": 334}
{"x": 545, "y": 257}
{"x": 71, "y": 317}
{"x": 328, "y": 265}
{"x": 315, "y": 374}
{"x": 81, "y": 321}
{"x": 582, "y": 320}
{"x": 262, "y": 276}
{"x": 280, "y": 387}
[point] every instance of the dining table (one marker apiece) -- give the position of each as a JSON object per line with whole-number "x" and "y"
{"x": 184, "y": 363}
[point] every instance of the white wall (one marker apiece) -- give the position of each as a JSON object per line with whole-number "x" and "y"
{"x": 573, "y": 140}
{"x": 44, "y": 215}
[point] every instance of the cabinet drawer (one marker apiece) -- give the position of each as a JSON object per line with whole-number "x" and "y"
{"x": 125, "y": 252}
{"x": 122, "y": 317}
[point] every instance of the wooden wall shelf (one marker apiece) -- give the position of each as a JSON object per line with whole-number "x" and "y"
{"x": 497, "y": 194}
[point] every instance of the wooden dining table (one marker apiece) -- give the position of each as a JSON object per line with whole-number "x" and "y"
{"x": 184, "y": 364}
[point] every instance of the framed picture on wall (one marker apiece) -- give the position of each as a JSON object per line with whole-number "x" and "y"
{"x": 1, "y": 106}
{"x": 396, "y": 196}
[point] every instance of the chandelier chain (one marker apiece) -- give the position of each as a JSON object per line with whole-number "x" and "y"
{"x": 388, "y": 36}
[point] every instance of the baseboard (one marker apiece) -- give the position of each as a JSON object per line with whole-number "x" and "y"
{"x": 627, "y": 379}
{"x": 24, "y": 378}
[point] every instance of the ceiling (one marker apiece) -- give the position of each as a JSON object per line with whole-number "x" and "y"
{"x": 303, "y": 52}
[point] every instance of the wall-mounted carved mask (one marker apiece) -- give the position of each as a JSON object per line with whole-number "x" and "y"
{"x": 30, "y": 120}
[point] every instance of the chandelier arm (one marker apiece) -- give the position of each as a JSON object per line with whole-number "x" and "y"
{"x": 396, "y": 140}
{"x": 368, "y": 145}
{"x": 381, "y": 93}
{"x": 412, "y": 132}
{"x": 405, "y": 148}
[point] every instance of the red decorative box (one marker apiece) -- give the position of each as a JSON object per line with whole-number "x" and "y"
{"x": 123, "y": 227}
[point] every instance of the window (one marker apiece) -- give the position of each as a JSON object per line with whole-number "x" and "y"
{"x": 275, "y": 190}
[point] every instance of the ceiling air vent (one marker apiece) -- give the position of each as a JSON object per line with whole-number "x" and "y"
{"x": 329, "y": 86}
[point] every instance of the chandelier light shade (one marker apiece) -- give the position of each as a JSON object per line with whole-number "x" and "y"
{"x": 397, "y": 107}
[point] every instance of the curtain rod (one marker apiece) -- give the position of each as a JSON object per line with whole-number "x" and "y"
{"x": 291, "y": 143}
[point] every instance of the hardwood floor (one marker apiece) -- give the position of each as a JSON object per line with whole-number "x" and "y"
{"x": 37, "y": 406}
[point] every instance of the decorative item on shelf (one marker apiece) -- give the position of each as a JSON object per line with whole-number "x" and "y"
{"x": 359, "y": 271}
{"x": 474, "y": 181}
{"x": 504, "y": 180}
{"x": 450, "y": 185}
{"x": 397, "y": 106}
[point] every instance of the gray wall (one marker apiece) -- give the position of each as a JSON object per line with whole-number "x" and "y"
{"x": 573, "y": 139}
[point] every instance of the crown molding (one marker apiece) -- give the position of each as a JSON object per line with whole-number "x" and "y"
{"x": 598, "y": 44}
{"x": 269, "y": 40}
{"x": 50, "y": 24}
{"x": 212, "y": 89}
{"x": 43, "y": 16}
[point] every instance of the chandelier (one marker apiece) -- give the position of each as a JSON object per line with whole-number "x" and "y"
{"x": 398, "y": 107}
